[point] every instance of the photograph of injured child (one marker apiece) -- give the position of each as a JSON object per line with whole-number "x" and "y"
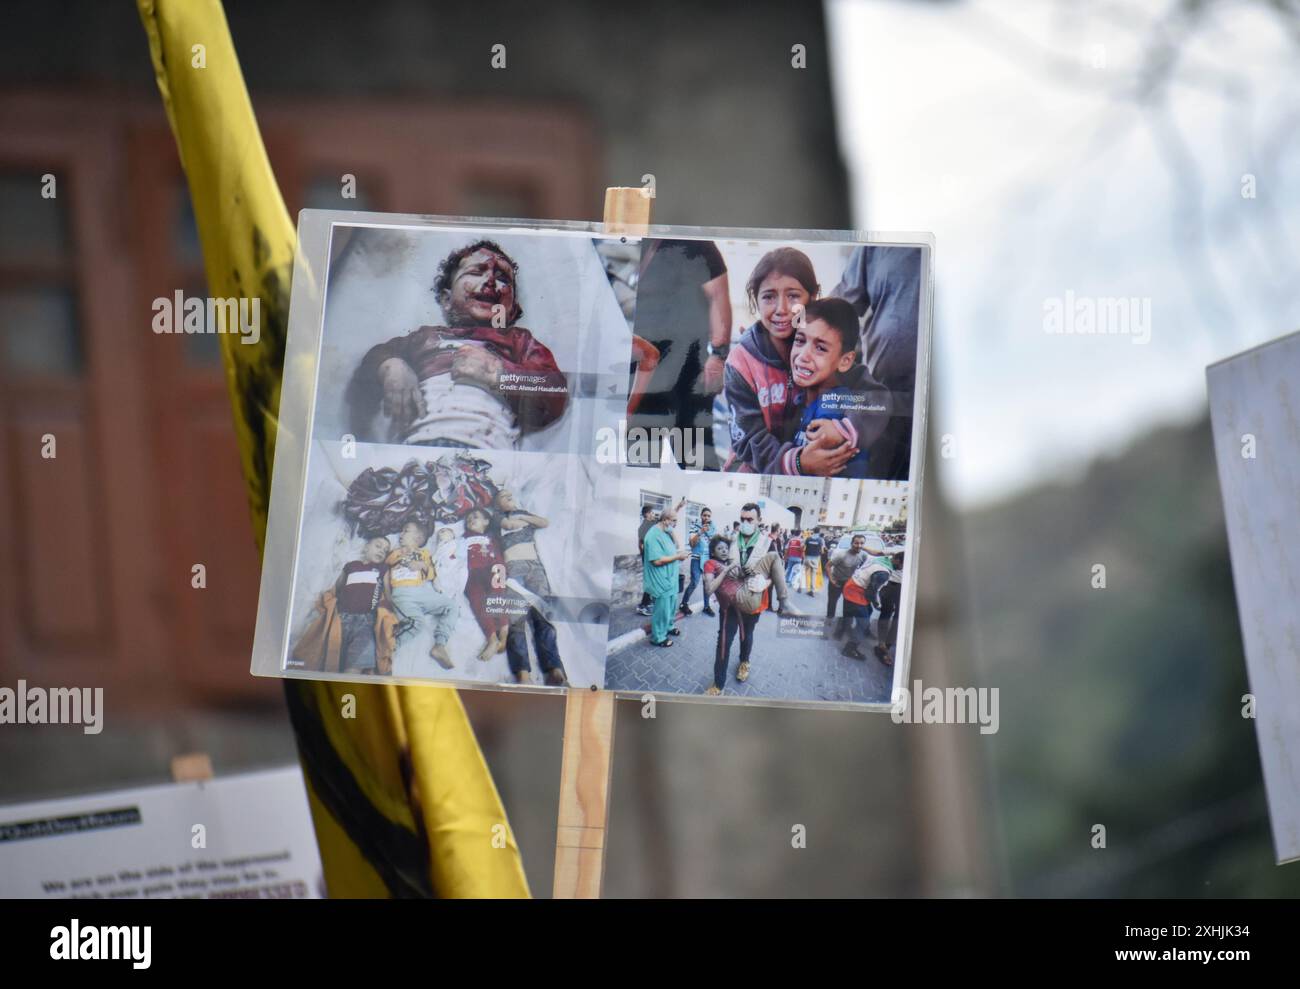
{"x": 757, "y": 586}
{"x": 468, "y": 339}
{"x": 453, "y": 566}
{"x": 769, "y": 358}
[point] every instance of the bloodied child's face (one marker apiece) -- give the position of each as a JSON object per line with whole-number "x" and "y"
{"x": 484, "y": 281}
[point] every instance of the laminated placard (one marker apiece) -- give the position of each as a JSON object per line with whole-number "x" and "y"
{"x": 530, "y": 455}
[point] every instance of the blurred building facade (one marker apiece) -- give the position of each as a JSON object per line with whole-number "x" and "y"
{"x": 804, "y": 496}
{"x": 401, "y": 97}
{"x": 879, "y": 504}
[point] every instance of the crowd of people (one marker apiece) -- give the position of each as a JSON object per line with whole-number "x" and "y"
{"x": 749, "y": 567}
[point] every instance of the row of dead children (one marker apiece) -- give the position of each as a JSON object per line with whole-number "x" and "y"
{"x": 390, "y": 592}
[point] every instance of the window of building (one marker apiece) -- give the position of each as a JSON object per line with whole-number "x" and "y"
{"x": 39, "y": 327}
{"x": 655, "y": 500}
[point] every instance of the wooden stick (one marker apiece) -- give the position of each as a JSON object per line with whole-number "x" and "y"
{"x": 584, "y": 794}
{"x": 589, "y": 714}
{"x": 192, "y": 767}
{"x": 627, "y": 210}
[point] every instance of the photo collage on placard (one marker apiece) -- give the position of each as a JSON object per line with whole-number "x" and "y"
{"x": 549, "y": 458}
{"x": 464, "y": 376}
{"x": 761, "y": 517}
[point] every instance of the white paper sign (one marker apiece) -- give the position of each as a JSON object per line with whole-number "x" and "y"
{"x": 1255, "y": 412}
{"x": 239, "y": 837}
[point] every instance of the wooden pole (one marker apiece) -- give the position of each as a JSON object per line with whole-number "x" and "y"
{"x": 588, "y": 759}
{"x": 627, "y": 210}
{"x": 584, "y": 794}
{"x": 192, "y": 767}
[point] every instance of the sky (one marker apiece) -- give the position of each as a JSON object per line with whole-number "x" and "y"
{"x": 1018, "y": 135}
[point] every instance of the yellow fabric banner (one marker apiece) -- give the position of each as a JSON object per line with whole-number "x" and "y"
{"x": 401, "y": 797}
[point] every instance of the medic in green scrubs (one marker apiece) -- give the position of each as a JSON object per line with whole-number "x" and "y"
{"x": 659, "y": 576}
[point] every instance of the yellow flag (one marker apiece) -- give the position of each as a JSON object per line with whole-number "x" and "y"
{"x": 401, "y": 797}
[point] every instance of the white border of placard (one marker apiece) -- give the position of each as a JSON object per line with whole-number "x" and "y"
{"x": 298, "y": 410}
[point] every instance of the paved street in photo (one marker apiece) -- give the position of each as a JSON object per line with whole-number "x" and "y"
{"x": 781, "y": 666}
